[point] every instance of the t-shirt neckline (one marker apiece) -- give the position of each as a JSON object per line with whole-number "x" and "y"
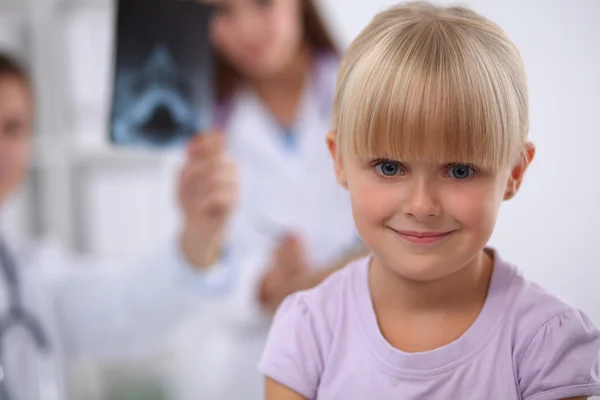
{"x": 445, "y": 357}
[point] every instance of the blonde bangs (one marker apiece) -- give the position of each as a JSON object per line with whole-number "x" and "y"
{"x": 432, "y": 89}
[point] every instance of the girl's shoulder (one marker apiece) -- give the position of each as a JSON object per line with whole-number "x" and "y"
{"x": 330, "y": 296}
{"x": 323, "y": 305}
{"x": 303, "y": 330}
{"x": 530, "y": 306}
{"x": 554, "y": 344}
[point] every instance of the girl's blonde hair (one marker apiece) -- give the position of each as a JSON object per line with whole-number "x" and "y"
{"x": 423, "y": 82}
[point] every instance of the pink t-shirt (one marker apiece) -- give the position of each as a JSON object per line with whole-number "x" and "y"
{"x": 325, "y": 343}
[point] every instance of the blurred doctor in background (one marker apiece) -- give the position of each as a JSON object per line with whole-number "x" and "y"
{"x": 54, "y": 306}
{"x": 276, "y": 76}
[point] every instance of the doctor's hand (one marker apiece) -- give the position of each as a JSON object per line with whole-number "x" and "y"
{"x": 287, "y": 271}
{"x": 290, "y": 272}
{"x": 208, "y": 194}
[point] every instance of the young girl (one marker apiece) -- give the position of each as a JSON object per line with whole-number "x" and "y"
{"x": 429, "y": 138}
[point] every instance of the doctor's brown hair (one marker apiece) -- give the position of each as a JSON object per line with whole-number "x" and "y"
{"x": 10, "y": 68}
{"x": 316, "y": 35}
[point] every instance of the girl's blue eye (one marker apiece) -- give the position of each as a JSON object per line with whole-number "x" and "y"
{"x": 388, "y": 168}
{"x": 460, "y": 171}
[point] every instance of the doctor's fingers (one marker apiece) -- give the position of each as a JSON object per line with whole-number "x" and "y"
{"x": 217, "y": 191}
{"x": 207, "y": 182}
{"x": 290, "y": 247}
{"x": 206, "y": 144}
{"x": 201, "y": 169}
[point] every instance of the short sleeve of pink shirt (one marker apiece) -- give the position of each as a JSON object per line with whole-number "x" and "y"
{"x": 525, "y": 344}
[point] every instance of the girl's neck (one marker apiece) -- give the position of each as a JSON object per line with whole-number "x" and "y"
{"x": 282, "y": 93}
{"x": 465, "y": 288}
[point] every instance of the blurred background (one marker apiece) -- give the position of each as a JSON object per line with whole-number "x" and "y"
{"x": 79, "y": 182}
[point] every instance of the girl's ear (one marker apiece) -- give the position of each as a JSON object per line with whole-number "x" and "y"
{"x": 518, "y": 171}
{"x": 332, "y": 145}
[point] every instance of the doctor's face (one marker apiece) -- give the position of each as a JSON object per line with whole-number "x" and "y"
{"x": 258, "y": 37}
{"x": 15, "y": 133}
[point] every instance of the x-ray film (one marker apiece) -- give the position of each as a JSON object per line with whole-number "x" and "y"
{"x": 162, "y": 91}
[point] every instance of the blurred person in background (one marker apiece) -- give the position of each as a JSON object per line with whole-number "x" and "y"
{"x": 54, "y": 306}
{"x": 276, "y": 71}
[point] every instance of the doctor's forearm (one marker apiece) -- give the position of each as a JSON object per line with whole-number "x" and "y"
{"x": 271, "y": 301}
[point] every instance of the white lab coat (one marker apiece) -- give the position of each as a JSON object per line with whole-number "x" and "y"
{"x": 281, "y": 189}
{"x": 93, "y": 308}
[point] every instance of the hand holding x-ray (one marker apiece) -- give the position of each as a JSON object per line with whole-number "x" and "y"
{"x": 163, "y": 73}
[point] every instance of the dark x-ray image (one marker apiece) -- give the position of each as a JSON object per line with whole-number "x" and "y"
{"x": 163, "y": 80}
